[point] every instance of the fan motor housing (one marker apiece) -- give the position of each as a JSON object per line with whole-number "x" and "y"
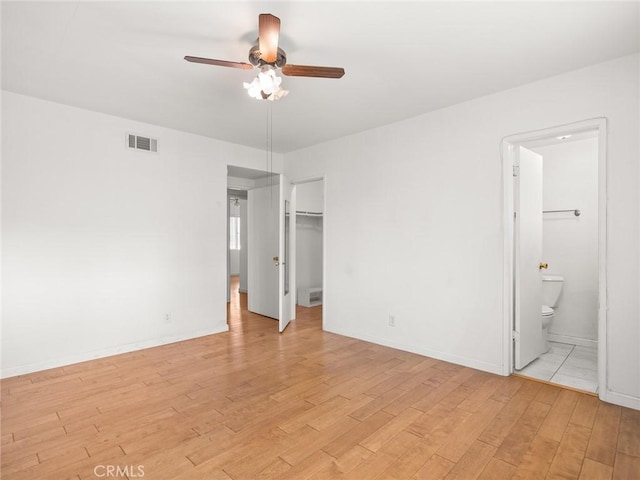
{"x": 255, "y": 58}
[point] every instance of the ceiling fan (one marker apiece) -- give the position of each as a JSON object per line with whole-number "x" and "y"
{"x": 266, "y": 55}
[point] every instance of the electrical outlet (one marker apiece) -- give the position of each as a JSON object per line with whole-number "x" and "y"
{"x": 167, "y": 318}
{"x": 392, "y": 321}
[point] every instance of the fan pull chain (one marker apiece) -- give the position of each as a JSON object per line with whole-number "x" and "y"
{"x": 270, "y": 149}
{"x": 267, "y": 152}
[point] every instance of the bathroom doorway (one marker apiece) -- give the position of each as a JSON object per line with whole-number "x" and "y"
{"x": 555, "y": 217}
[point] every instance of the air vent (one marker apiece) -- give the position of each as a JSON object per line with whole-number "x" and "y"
{"x": 142, "y": 143}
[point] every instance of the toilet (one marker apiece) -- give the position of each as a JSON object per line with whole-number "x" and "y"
{"x": 551, "y": 289}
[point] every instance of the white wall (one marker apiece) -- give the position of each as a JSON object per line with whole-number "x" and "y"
{"x": 414, "y": 228}
{"x": 570, "y": 243}
{"x": 234, "y": 262}
{"x": 310, "y": 196}
{"x": 101, "y": 243}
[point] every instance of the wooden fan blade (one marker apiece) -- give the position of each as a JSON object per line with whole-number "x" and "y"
{"x": 219, "y": 63}
{"x": 311, "y": 71}
{"x": 269, "y": 32}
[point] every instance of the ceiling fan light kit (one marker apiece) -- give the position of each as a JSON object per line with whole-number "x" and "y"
{"x": 267, "y": 56}
{"x": 266, "y": 85}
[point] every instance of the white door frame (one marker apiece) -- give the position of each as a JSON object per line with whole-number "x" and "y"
{"x": 508, "y": 146}
{"x": 286, "y": 253}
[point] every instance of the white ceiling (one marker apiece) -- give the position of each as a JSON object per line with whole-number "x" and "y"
{"x": 401, "y": 59}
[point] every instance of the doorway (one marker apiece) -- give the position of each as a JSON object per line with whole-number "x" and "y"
{"x": 262, "y": 232}
{"x": 309, "y": 243}
{"x": 237, "y": 241}
{"x": 556, "y": 227}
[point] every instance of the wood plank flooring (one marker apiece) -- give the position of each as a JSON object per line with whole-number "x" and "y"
{"x": 307, "y": 404}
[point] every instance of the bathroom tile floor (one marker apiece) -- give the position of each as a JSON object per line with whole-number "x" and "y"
{"x": 570, "y": 365}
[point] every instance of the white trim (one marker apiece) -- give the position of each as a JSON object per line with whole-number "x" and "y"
{"x": 620, "y": 399}
{"x": 603, "y": 324}
{"x": 293, "y": 247}
{"x": 228, "y": 245}
{"x": 107, "y": 352}
{"x": 508, "y": 248}
{"x": 324, "y": 250}
{"x": 427, "y": 352}
{"x": 583, "y": 342}
{"x": 507, "y": 151}
{"x": 310, "y": 179}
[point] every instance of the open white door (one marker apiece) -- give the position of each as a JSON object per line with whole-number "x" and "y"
{"x": 528, "y": 254}
{"x": 263, "y": 225}
{"x": 286, "y": 253}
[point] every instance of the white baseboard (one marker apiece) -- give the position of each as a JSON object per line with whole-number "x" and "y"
{"x": 583, "y": 342}
{"x": 107, "y": 352}
{"x": 621, "y": 399}
{"x": 609, "y": 396}
{"x": 464, "y": 361}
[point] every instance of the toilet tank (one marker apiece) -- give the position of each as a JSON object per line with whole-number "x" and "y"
{"x": 551, "y": 289}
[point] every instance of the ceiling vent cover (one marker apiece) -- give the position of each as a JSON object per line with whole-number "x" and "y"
{"x": 142, "y": 143}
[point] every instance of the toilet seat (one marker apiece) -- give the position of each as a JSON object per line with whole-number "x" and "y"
{"x": 547, "y": 311}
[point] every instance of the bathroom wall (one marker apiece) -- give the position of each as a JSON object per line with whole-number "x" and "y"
{"x": 570, "y": 243}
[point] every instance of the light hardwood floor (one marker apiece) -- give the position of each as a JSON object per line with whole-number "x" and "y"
{"x": 253, "y": 404}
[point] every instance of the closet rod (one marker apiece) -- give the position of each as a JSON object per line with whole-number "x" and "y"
{"x": 300, "y": 212}
{"x": 576, "y": 212}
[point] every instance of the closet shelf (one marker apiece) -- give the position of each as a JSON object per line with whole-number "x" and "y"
{"x": 309, "y": 214}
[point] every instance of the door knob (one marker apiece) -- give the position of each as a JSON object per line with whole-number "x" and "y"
{"x": 276, "y": 261}
{"x": 543, "y": 265}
